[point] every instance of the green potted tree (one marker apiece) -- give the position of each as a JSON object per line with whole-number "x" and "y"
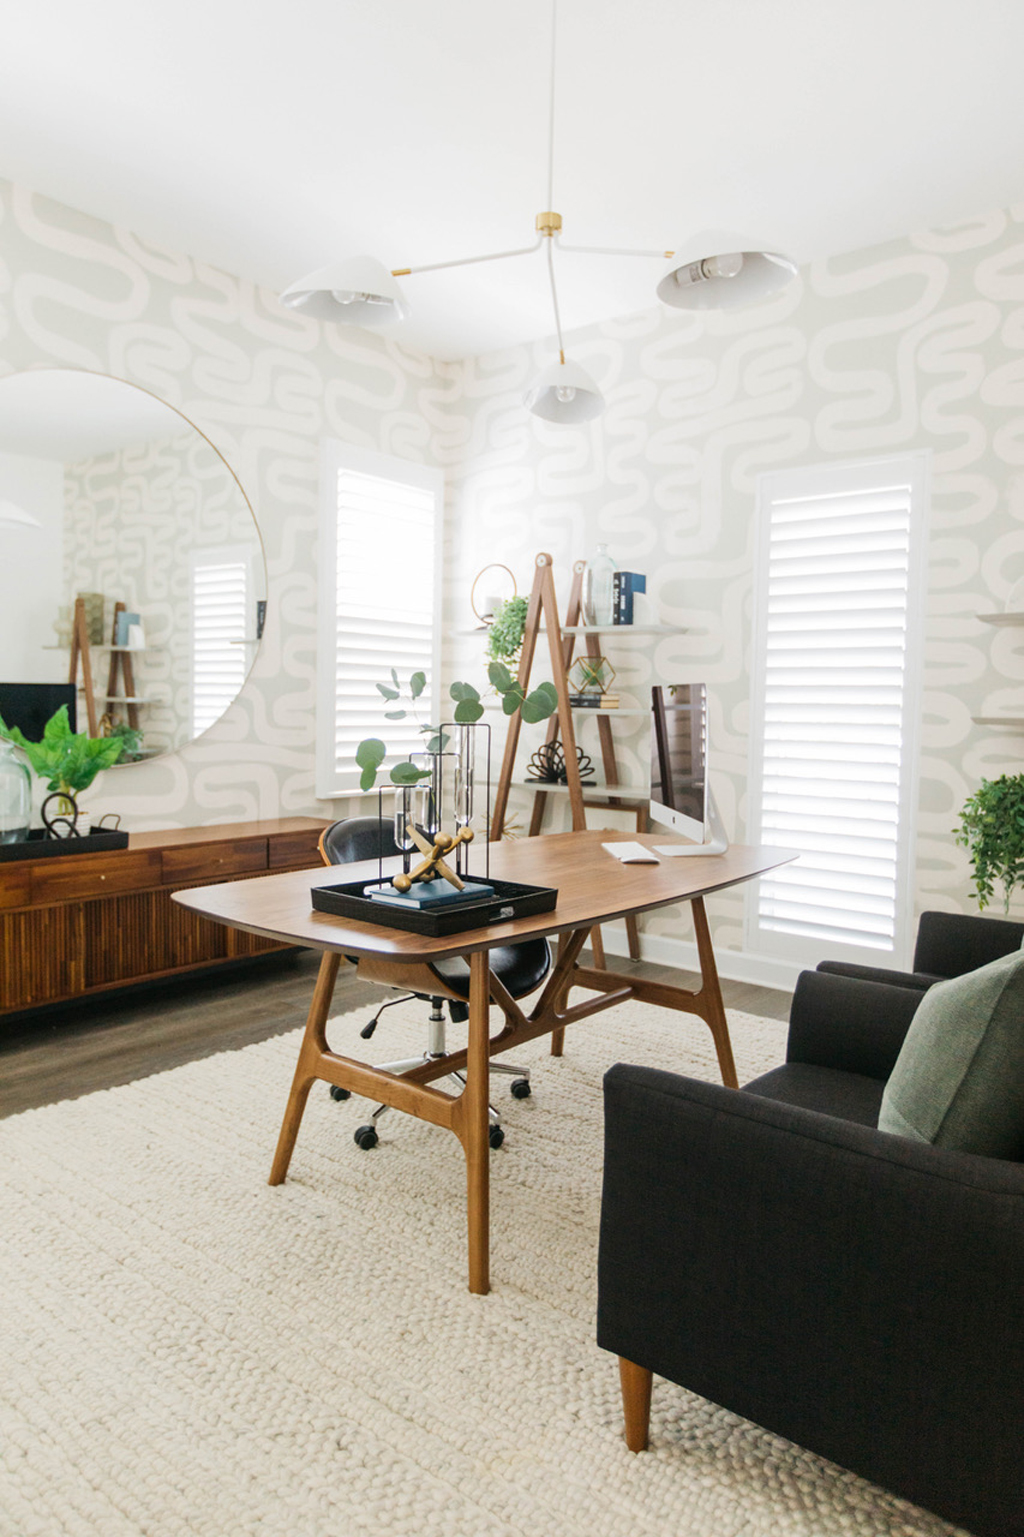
{"x": 992, "y": 830}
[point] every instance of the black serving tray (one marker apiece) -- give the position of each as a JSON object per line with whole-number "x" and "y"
{"x": 39, "y": 845}
{"x": 510, "y": 900}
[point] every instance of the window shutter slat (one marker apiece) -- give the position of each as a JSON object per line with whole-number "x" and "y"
{"x": 834, "y": 638}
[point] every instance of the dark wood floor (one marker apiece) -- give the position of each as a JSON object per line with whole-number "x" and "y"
{"x": 121, "y": 1037}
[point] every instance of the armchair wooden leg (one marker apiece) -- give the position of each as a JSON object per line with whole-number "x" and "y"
{"x": 636, "y": 1403}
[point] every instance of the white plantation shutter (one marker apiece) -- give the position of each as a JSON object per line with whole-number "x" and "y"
{"x": 380, "y": 546}
{"x": 220, "y": 606}
{"x": 835, "y": 705}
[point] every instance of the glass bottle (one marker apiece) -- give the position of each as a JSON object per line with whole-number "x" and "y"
{"x": 15, "y": 796}
{"x": 598, "y": 592}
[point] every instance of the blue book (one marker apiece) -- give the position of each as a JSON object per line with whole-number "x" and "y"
{"x": 427, "y": 894}
{"x": 625, "y": 585}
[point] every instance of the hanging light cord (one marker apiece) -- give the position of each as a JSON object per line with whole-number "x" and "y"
{"x": 554, "y": 301}
{"x": 551, "y": 110}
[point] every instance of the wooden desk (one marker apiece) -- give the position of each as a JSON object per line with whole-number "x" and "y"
{"x": 593, "y": 888}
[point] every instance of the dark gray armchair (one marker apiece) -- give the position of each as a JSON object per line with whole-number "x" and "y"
{"x": 856, "y": 1292}
{"x": 947, "y": 945}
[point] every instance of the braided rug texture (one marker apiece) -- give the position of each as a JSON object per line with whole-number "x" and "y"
{"x": 185, "y": 1352}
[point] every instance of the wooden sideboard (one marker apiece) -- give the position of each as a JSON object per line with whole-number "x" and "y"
{"x": 81, "y": 924}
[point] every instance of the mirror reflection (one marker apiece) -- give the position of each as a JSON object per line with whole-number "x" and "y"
{"x": 130, "y": 561}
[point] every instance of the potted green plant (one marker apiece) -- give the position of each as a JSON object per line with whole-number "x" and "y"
{"x": 537, "y": 705}
{"x": 67, "y": 760}
{"x": 505, "y": 635}
{"x": 992, "y": 830}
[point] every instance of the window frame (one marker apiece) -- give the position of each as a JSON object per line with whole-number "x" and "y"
{"x": 335, "y": 456}
{"x": 836, "y": 479}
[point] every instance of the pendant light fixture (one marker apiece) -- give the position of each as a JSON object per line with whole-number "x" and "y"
{"x": 713, "y": 271}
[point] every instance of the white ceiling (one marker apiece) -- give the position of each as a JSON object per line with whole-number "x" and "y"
{"x": 268, "y": 137}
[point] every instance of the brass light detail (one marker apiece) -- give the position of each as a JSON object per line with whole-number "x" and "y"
{"x": 548, "y": 223}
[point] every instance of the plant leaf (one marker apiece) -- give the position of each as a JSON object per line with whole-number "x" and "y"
{"x": 512, "y": 699}
{"x": 464, "y": 691}
{"x": 500, "y": 676}
{"x": 395, "y": 714}
{"x": 538, "y": 705}
{"x": 389, "y": 693}
{"x": 371, "y": 753}
{"x": 468, "y": 710}
{"x": 417, "y": 683}
{"x": 406, "y": 773}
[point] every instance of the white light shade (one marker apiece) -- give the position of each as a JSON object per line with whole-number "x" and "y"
{"x": 9, "y": 513}
{"x": 566, "y": 393}
{"x": 719, "y": 271}
{"x": 356, "y": 292}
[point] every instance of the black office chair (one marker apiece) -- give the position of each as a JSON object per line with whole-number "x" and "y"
{"x": 520, "y": 968}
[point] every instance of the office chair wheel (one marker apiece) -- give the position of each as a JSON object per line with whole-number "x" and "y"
{"x": 495, "y": 1136}
{"x": 339, "y": 1093}
{"x": 366, "y": 1137}
{"x": 520, "y": 1088}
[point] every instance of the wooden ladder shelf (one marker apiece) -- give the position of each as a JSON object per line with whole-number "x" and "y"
{"x": 543, "y": 611}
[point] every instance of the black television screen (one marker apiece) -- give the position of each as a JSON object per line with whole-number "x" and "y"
{"x": 30, "y": 705}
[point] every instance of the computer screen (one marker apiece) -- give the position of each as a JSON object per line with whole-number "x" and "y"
{"x": 30, "y": 705}
{"x": 679, "y": 758}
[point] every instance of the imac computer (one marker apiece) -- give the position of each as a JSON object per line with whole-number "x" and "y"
{"x": 681, "y": 799}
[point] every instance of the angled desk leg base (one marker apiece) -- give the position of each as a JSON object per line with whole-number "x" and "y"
{"x": 314, "y": 1045}
{"x": 469, "y": 1122}
{"x": 706, "y": 1002}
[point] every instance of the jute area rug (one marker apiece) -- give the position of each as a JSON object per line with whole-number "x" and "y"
{"x": 187, "y": 1351}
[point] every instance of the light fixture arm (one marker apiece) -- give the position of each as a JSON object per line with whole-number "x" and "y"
{"x": 607, "y": 250}
{"x": 466, "y": 261}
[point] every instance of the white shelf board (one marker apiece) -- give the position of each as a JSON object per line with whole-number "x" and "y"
{"x": 621, "y": 629}
{"x": 605, "y": 791}
{"x": 589, "y": 709}
{"x": 1002, "y": 619}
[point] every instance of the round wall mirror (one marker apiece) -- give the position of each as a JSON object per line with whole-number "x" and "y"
{"x": 132, "y": 577}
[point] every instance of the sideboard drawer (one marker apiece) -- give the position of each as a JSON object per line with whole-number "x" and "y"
{"x": 93, "y": 875}
{"x": 291, "y": 849}
{"x": 215, "y": 862}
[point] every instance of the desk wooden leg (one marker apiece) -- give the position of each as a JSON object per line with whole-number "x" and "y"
{"x": 314, "y": 1044}
{"x": 475, "y": 1140}
{"x": 711, "y": 996}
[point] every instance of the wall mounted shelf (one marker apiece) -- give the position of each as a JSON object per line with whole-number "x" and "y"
{"x": 1002, "y": 619}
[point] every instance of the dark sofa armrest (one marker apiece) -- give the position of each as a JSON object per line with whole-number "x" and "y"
{"x": 919, "y": 979}
{"x": 846, "y": 1288}
{"x": 850, "y": 1024}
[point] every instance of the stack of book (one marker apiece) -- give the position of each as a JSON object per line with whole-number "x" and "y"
{"x": 594, "y": 701}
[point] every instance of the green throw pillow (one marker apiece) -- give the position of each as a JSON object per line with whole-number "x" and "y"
{"x": 958, "y": 1081}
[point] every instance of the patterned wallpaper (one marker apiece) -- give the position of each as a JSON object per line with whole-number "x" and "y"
{"x": 915, "y": 344}
{"x": 265, "y": 385}
{"x": 918, "y": 344}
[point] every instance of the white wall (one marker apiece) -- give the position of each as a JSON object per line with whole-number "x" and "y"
{"x": 30, "y": 572}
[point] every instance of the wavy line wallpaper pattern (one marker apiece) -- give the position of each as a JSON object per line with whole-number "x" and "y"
{"x": 918, "y": 344}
